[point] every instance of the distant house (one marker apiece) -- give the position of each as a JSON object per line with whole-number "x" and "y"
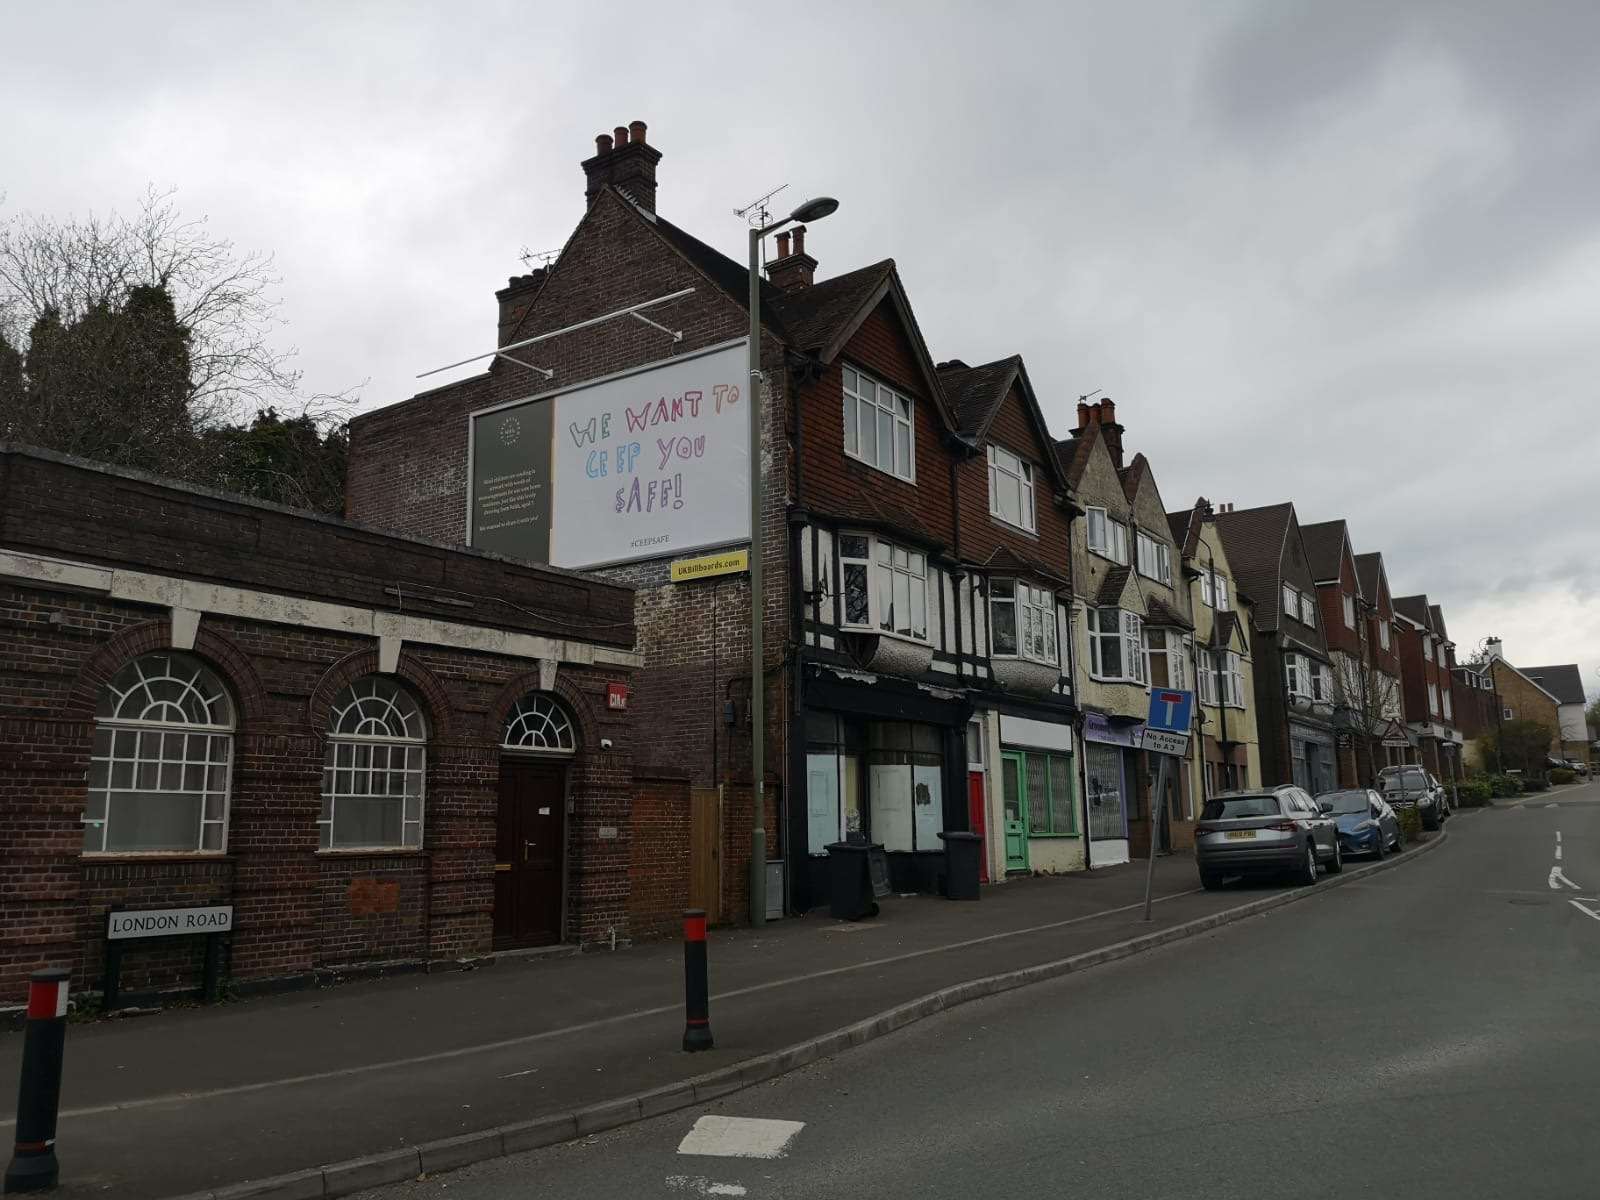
{"x": 1427, "y": 657}
{"x": 1522, "y": 698}
{"x": 1363, "y": 693}
{"x": 1565, "y": 683}
{"x": 1383, "y": 646}
{"x": 1293, "y": 672}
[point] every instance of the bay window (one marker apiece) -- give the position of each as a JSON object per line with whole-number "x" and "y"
{"x": 1166, "y": 658}
{"x": 1011, "y": 488}
{"x": 885, "y": 586}
{"x": 1321, "y": 682}
{"x": 1023, "y": 619}
{"x": 1297, "y": 674}
{"x": 1116, "y": 645}
{"x": 1207, "y": 683}
{"x": 1154, "y": 558}
{"x": 1107, "y": 536}
{"x": 878, "y": 428}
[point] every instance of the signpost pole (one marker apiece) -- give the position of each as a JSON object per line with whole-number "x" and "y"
{"x": 1158, "y": 807}
{"x": 758, "y": 697}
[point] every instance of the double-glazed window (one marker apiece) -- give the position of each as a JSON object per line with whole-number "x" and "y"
{"x": 1321, "y": 682}
{"x": 1167, "y": 658}
{"x": 1349, "y": 610}
{"x": 1448, "y": 715}
{"x": 1305, "y": 677}
{"x": 1383, "y": 633}
{"x": 373, "y": 772}
{"x": 1107, "y": 536}
{"x": 1433, "y": 698}
{"x": 1154, "y": 558}
{"x": 1042, "y": 787}
{"x": 1232, "y": 677}
{"x": 1011, "y": 488}
{"x": 1308, "y": 609}
{"x": 878, "y": 427}
{"x": 1291, "y": 601}
{"x": 1215, "y": 594}
{"x": 1023, "y": 619}
{"x": 163, "y": 746}
{"x": 1116, "y": 645}
{"x": 885, "y": 586}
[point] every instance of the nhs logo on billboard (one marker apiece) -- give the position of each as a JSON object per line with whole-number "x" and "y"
{"x": 1166, "y": 728}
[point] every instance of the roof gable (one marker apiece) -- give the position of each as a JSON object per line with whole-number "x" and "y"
{"x": 977, "y": 395}
{"x": 1563, "y": 681}
{"x": 1326, "y": 545}
{"x": 1373, "y": 580}
{"x": 1254, "y": 539}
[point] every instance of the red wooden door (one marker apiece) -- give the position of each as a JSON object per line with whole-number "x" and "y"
{"x": 529, "y": 842}
{"x": 976, "y": 818}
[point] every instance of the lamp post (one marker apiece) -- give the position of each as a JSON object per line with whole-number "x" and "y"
{"x": 811, "y": 210}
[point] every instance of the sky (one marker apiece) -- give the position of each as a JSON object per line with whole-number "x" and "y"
{"x": 1345, "y": 254}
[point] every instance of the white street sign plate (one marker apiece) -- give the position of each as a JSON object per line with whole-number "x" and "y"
{"x": 1158, "y": 741}
{"x": 169, "y": 922}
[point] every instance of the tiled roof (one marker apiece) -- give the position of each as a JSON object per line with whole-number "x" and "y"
{"x": 866, "y": 507}
{"x": 1324, "y": 543}
{"x": 1074, "y": 453}
{"x": 1414, "y": 607}
{"x": 1369, "y": 570}
{"x": 1225, "y": 624}
{"x": 732, "y": 277}
{"x": 1158, "y": 612}
{"x": 1437, "y": 614}
{"x": 1253, "y": 538}
{"x": 814, "y": 317}
{"x": 1564, "y": 682}
{"x": 1178, "y": 526}
{"x": 976, "y": 393}
{"x": 1110, "y": 593}
{"x": 1006, "y": 559}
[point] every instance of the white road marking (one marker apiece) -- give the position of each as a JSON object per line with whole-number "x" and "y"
{"x": 520, "y": 1074}
{"x": 740, "y": 1137}
{"x": 1558, "y": 851}
{"x": 1557, "y": 879}
{"x": 701, "y": 1186}
{"x": 1585, "y": 909}
{"x": 1558, "y": 837}
{"x": 1552, "y": 804}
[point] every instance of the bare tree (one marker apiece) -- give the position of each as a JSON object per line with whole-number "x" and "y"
{"x": 222, "y": 296}
{"x": 1371, "y": 697}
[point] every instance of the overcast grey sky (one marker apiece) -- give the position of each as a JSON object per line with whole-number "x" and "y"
{"x": 1344, "y": 253}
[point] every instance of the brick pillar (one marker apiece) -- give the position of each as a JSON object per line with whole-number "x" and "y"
{"x": 463, "y": 805}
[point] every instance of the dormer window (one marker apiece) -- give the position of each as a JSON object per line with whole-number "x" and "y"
{"x": 1011, "y": 489}
{"x": 878, "y": 428}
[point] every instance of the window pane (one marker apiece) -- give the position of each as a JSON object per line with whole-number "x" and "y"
{"x": 891, "y": 786}
{"x": 919, "y": 608}
{"x": 154, "y": 821}
{"x": 1005, "y": 626}
{"x": 1063, "y": 812}
{"x": 903, "y": 456}
{"x": 885, "y": 590}
{"x": 852, "y": 545}
{"x": 855, "y": 594}
{"x": 902, "y": 603}
{"x": 1038, "y": 794}
{"x": 822, "y": 801}
{"x": 885, "y": 438}
{"x": 852, "y": 442}
{"x": 869, "y": 436}
{"x": 927, "y": 798}
{"x": 366, "y": 821}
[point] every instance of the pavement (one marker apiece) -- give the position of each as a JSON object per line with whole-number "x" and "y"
{"x": 197, "y": 1099}
{"x": 1427, "y": 1031}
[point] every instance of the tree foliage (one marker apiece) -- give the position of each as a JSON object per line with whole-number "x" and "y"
{"x": 143, "y": 342}
{"x": 1520, "y": 745}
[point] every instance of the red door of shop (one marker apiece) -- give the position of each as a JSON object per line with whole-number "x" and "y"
{"x": 529, "y": 846}
{"x": 975, "y": 817}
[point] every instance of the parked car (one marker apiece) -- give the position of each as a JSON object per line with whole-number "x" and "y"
{"x": 1267, "y": 831}
{"x": 1577, "y": 766}
{"x": 1366, "y": 822}
{"x": 1413, "y": 786}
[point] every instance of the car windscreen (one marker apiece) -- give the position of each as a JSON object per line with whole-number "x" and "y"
{"x": 1227, "y": 808}
{"x": 1345, "y": 802}
{"x": 1408, "y": 781}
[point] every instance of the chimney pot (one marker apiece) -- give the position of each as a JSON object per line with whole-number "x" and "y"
{"x": 620, "y": 133}
{"x": 602, "y": 144}
{"x": 799, "y": 239}
{"x": 783, "y": 244}
{"x": 1083, "y": 414}
{"x": 636, "y": 132}
{"x": 1109, "y": 411}
{"x": 793, "y": 268}
{"x": 623, "y": 160}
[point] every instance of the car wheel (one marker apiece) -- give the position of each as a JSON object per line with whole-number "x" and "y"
{"x": 1308, "y": 869}
{"x": 1337, "y": 863}
{"x": 1210, "y": 880}
{"x": 1382, "y": 849}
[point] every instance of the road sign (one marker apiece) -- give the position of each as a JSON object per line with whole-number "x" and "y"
{"x": 1171, "y": 710}
{"x": 1159, "y": 741}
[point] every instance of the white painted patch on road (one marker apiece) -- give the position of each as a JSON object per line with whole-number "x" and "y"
{"x": 1552, "y": 804}
{"x": 699, "y": 1185}
{"x": 520, "y": 1074}
{"x": 1585, "y": 909}
{"x": 1558, "y": 837}
{"x": 1557, "y": 879}
{"x": 740, "y": 1137}
{"x": 1558, "y": 851}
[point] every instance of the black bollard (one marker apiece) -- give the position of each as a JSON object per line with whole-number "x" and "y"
{"x": 33, "y": 1167}
{"x": 696, "y": 988}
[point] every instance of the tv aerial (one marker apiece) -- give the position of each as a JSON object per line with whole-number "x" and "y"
{"x": 756, "y": 213}
{"x": 538, "y": 258}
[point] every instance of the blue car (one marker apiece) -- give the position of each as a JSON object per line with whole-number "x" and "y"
{"x": 1366, "y": 823}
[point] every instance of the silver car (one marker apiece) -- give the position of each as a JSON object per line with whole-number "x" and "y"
{"x": 1413, "y": 786}
{"x": 1269, "y": 831}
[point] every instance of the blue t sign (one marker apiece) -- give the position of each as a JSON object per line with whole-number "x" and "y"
{"x": 1170, "y": 710}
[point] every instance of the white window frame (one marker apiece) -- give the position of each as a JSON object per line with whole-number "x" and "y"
{"x": 914, "y": 569}
{"x": 862, "y": 392}
{"x": 1384, "y": 637}
{"x": 1223, "y": 603}
{"x": 1439, "y": 650}
{"x": 1033, "y": 621}
{"x": 387, "y": 719}
{"x": 1427, "y": 646}
{"x": 1433, "y": 699}
{"x": 1207, "y": 597}
{"x": 1297, "y": 675}
{"x": 1291, "y": 601}
{"x": 1206, "y": 685}
{"x": 148, "y": 742}
{"x": 1444, "y": 695}
{"x": 1349, "y": 610}
{"x": 1154, "y": 557}
{"x": 1012, "y": 471}
{"x": 1128, "y": 635}
{"x": 1233, "y": 679}
{"x": 1112, "y": 542}
{"x": 1321, "y": 682}
{"x": 1308, "y": 609}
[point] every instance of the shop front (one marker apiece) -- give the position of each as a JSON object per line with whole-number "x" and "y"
{"x": 883, "y": 767}
{"x": 1039, "y": 796}
{"x": 1312, "y": 751}
{"x": 1110, "y": 777}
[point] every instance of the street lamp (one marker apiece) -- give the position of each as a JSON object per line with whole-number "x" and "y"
{"x": 811, "y": 210}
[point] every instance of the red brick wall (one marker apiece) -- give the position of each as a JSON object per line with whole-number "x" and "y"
{"x": 1330, "y": 603}
{"x": 981, "y": 533}
{"x": 659, "y": 859}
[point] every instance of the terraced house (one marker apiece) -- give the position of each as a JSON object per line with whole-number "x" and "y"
{"x": 1392, "y": 743}
{"x": 1427, "y": 658}
{"x": 1294, "y": 674}
{"x": 1137, "y": 632}
{"x": 1229, "y": 751}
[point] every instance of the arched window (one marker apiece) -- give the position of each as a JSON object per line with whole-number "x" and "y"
{"x": 163, "y": 743}
{"x": 539, "y": 723}
{"x": 373, "y": 773}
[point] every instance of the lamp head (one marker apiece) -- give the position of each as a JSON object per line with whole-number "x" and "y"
{"x": 815, "y": 210}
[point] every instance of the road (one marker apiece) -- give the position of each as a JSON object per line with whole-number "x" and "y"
{"x": 1427, "y": 1032}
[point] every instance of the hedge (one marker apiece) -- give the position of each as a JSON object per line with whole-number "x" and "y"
{"x": 1562, "y": 775}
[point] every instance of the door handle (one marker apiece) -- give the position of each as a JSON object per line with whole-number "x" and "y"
{"x": 526, "y": 846}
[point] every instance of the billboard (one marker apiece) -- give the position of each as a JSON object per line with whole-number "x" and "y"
{"x": 648, "y": 463}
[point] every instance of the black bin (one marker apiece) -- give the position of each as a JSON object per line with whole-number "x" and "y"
{"x": 963, "y": 858}
{"x": 850, "y": 884}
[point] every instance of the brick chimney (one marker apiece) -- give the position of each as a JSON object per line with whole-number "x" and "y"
{"x": 1493, "y": 648}
{"x": 793, "y": 268}
{"x": 516, "y": 298}
{"x": 1106, "y": 418}
{"x": 623, "y": 158}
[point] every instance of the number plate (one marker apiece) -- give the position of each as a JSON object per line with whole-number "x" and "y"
{"x": 1241, "y": 833}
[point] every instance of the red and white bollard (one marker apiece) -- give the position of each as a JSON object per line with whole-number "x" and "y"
{"x": 33, "y": 1165}
{"x": 696, "y": 984}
